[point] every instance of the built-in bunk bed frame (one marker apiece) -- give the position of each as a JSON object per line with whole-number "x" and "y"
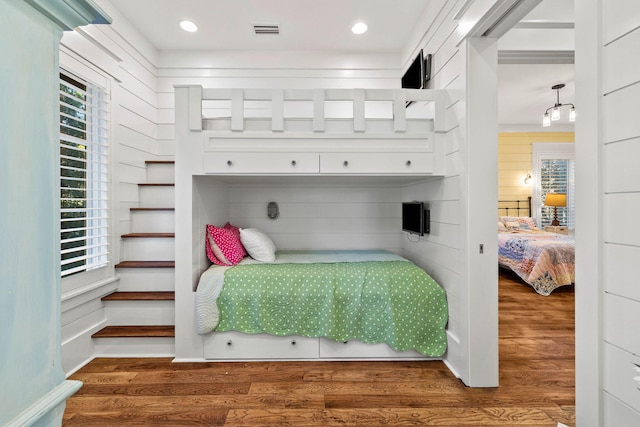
{"x": 314, "y": 145}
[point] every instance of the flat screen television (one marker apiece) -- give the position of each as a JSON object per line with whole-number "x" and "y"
{"x": 415, "y": 218}
{"x": 428, "y": 59}
{"x": 413, "y": 78}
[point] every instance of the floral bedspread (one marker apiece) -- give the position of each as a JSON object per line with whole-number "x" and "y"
{"x": 545, "y": 261}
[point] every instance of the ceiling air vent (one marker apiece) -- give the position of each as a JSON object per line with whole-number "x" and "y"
{"x": 266, "y": 28}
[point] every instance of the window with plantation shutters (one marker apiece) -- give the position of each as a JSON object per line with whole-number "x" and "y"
{"x": 553, "y": 172}
{"x": 84, "y": 176}
{"x": 556, "y": 176}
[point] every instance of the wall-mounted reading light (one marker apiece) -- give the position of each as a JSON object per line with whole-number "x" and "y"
{"x": 527, "y": 179}
{"x": 273, "y": 211}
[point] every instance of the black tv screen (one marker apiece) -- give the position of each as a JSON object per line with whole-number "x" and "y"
{"x": 413, "y": 217}
{"x": 413, "y": 78}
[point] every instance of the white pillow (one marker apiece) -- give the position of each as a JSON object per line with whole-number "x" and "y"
{"x": 258, "y": 245}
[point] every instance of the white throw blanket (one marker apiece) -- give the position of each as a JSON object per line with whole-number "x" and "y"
{"x": 211, "y": 281}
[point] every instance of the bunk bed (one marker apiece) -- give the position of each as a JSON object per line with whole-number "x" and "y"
{"x": 544, "y": 260}
{"x": 250, "y": 133}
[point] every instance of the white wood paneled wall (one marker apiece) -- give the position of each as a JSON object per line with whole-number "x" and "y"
{"x": 607, "y": 241}
{"x": 144, "y": 129}
{"x": 118, "y": 56}
{"x": 440, "y": 252}
{"x": 620, "y": 200}
{"x": 322, "y": 217}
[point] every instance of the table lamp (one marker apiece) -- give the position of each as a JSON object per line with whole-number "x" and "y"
{"x": 555, "y": 200}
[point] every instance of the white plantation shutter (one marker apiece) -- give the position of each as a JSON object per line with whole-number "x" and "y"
{"x": 84, "y": 175}
{"x": 557, "y": 176}
{"x": 553, "y": 166}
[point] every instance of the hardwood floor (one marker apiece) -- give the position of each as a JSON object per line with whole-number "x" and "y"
{"x": 536, "y": 383}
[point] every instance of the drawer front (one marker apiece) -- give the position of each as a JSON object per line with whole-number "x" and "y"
{"x": 236, "y": 345}
{"x": 622, "y": 322}
{"x": 355, "y": 349}
{"x": 376, "y": 163}
{"x": 622, "y": 375}
{"x": 261, "y": 163}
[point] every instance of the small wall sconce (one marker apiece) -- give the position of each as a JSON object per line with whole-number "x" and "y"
{"x": 527, "y": 179}
{"x": 273, "y": 211}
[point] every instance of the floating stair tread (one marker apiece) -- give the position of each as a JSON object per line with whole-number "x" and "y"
{"x": 157, "y": 184}
{"x": 165, "y": 331}
{"x": 146, "y": 264}
{"x": 140, "y": 296}
{"x": 139, "y": 235}
{"x": 152, "y": 209}
{"x": 160, "y": 162}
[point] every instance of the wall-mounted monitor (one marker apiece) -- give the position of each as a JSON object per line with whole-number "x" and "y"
{"x": 413, "y": 78}
{"x": 428, "y": 59}
{"x": 415, "y": 218}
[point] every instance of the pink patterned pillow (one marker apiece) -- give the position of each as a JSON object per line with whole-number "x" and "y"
{"x": 223, "y": 245}
{"x": 233, "y": 228}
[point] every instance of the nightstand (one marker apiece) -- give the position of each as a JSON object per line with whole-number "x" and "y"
{"x": 558, "y": 229}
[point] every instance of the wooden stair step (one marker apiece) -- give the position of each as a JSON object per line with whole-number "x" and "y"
{"x": 139, "y": 235}
{"x": 160, "y": 162}
{"x": 146, "y": 264}
{"x": 152, "y": 209}
{"x": 136, "y": 332}
{"x": 140, "y": 296}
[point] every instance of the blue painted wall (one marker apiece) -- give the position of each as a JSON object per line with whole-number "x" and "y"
{"x": 30, "y": 361}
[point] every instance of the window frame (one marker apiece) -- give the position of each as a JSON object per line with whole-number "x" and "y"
{"x": 106, "y": 272}
{"x": 551, "y": 151}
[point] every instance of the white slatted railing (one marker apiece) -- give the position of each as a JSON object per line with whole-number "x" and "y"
{"x": 276, "y": 99}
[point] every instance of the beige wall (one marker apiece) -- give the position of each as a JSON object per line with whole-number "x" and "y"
{"x": 514, "y": 160}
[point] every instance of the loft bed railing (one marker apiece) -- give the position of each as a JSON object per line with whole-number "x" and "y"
{"x": 238, "y": 118}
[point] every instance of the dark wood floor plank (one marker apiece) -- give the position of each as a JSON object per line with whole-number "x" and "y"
{"x": 536, "y": 383}
{"x": 396, "y": 417}
{"x": 143, "y": 331}
{"x": 141, "y": 296}
{"x": 173, "y": 389}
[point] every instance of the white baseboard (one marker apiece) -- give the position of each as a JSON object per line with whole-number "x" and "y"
{"x": 47, "y": 410}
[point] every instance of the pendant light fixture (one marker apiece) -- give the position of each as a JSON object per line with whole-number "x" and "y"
{"x": 553, "y": 112}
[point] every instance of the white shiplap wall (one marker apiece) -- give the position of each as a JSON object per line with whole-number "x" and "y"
{"x": 620, "y": 201}
{"x": 144, "y": 129}
{"x": 320, "y": 216}
{"x": 441, "y": 253}
{"x": 607, "y": 238}
{"x": 117, "y": 57}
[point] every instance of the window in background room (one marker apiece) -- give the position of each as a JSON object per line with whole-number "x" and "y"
{"x": 553, "y": 172}
{"x": 84, "y": 175}
{"x": 557, "y": 176}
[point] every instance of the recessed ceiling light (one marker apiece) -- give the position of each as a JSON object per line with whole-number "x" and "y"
{"x": 188, "y": 26}
{"x": 359, "y": 28}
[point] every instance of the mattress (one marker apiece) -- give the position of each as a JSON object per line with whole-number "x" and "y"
{"x": 369, "y": 296}
{"x": 545, "y": 261}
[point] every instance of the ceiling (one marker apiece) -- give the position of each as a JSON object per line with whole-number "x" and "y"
{"x": 305, "y": 24}
{"x": 311, "y": 25}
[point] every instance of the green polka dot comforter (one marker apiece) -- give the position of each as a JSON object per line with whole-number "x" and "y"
{"x": 391, "y": 301}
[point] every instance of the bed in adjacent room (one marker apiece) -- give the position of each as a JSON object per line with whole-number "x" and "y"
{"x": 544, "y": 260}
{"x": 371, "y": 297}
